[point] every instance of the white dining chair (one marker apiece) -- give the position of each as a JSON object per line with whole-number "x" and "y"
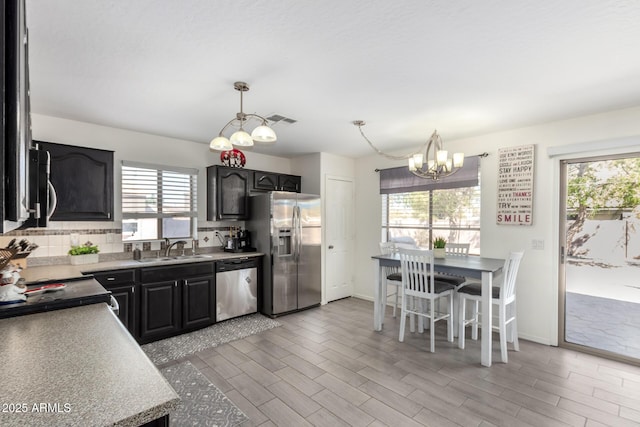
{"x": 421, "y": 292}
{"x": 391, "y": 276}
{"x": 503, "y": 295}
{"x": 453, "y": 250}
{"x": 457, "y": 249}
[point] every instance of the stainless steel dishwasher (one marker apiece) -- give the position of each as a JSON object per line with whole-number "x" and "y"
{"x": 236, "y": 288}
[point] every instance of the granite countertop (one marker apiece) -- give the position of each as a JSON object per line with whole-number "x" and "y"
{"x": 76, "y": 293}
{"x": 61, "y": 272}
{"x": 78, "y": 366}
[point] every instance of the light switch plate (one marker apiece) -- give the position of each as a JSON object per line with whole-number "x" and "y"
{"x": 537, "y": 244}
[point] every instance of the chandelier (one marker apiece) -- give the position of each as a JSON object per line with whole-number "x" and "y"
{"x": 430, "y": 161}
{"x": 262, "y": 133}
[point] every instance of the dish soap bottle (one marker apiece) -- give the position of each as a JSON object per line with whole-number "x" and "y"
{"x": 137, "y": 253}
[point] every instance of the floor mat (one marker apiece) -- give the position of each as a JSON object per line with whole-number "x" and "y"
{"x": 201, "y": 403}
{"x": 174, "y": 348}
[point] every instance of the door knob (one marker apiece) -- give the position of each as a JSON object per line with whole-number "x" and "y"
{"x": 330, "y": 246}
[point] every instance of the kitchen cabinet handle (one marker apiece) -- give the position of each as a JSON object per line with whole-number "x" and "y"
{"x": 111, "y": 279}
{"x": 330, "y": 246}
{"x": 133, "y": 289}
{"x": 175, "y": 283}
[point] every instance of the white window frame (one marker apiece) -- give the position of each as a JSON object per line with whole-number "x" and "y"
{"x": 166, "y": 193}
{"x": 430, "y": 225}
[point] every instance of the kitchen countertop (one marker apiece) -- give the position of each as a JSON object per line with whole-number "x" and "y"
{"x": 77, "y": 292}
{"x": 78, "y": 366}
{"x": 60, "y": 272}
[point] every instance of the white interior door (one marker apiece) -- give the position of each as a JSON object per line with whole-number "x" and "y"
{"x": 340, "y": 235}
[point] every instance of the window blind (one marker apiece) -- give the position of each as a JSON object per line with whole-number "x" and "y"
{"x": 150, "y": 191}
{"x": 401, "y": 180}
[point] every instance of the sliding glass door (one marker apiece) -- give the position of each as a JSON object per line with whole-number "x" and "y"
{"x": 600, "y": 256}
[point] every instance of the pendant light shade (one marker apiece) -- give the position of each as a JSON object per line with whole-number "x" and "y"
{"x": 220, "y": 143}
{"x": 241, "y": 138}
{"x": 262, "y": 133}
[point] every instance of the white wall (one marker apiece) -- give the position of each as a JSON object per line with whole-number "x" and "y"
{"x": 308, "y": 166}
{"x": 141, "y": 147}
{"x": 538, "y": 277}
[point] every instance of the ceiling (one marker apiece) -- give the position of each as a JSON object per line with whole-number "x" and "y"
{"x": 464, "y": 68}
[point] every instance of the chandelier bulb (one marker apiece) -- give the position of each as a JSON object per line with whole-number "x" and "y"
{"x": 412, "y": 164}
{"x": 441, "y": 157}
{"x": 458, "y": 160}
{"x": 418, "y": 160}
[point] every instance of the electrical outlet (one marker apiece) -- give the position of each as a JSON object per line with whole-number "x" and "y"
{"x": 109, "y": 237}
{"x": 537, "y": 244}
{"x": 74, "y": 239}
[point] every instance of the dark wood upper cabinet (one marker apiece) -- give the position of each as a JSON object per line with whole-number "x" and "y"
{"x": 227, "y": 193}
{"x": 83, "y": 179}
{"x": 228, "y": 190}
{"x": 273, "y": 181}
{"x": 289, "y": 183}
{"x": 267, "y": 181}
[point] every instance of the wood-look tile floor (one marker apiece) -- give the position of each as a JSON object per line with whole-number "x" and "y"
{"x": 327, "y": 367}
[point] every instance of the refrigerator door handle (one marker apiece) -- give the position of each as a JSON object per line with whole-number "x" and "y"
{"x": 296, "y": 233}
{"x": 299, "y": 232}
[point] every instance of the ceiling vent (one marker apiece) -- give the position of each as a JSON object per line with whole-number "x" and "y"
{"x": 277, "y": 119}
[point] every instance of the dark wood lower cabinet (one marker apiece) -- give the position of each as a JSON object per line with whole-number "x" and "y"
{"x": 126, "y": 297}
{"x": 158, "y": 422}
{"x": 176, "y": 299}
{"x": 162, "y": 301}
{"x": 123, "y": 287}
{"x": 159, "y": 310}
{"x": 198, "y": 302}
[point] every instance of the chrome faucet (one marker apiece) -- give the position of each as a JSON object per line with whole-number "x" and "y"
{"x": 169, "y": 246}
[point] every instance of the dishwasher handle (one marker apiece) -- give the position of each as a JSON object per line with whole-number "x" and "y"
{"x": 235, "y": 264}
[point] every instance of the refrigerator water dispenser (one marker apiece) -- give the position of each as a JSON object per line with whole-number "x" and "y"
{"x": 284, "y": 242}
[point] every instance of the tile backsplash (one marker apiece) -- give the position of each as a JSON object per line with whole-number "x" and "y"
{"x": 55, "y": 240}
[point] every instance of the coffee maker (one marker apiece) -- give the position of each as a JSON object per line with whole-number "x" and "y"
{"x": 239, "y": 241}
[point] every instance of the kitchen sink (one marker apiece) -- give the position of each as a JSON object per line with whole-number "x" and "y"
{"x": 174, "y": 258}
{"x": 155, "y": 259}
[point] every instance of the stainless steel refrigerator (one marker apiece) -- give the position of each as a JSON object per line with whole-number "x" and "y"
{"x": 287, "y": 228}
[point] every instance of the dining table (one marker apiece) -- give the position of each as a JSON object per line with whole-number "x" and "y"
{"x": 469, "y": 266}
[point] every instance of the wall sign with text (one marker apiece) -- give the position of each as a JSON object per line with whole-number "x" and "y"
{"x": 515, "y": 185}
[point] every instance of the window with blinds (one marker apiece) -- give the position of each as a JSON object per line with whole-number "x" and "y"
{"x": 158, "y": 202}
{"x": 420, "y": 216}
